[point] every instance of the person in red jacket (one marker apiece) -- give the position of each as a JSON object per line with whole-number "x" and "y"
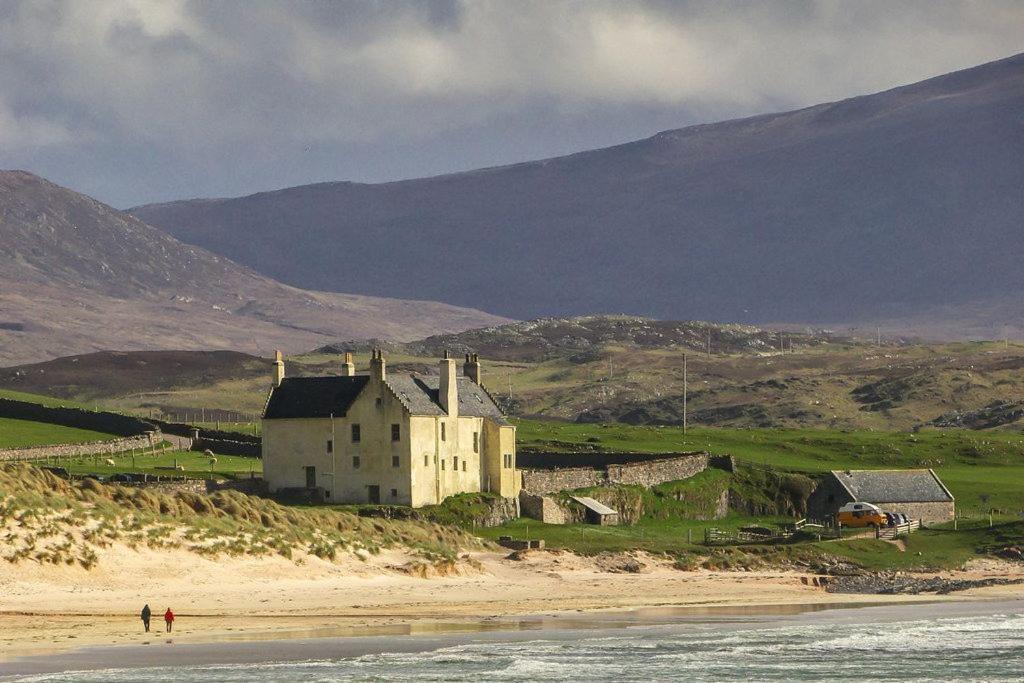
{"x": 169, "y": 618}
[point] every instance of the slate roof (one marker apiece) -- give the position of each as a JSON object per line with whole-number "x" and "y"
{"x": 322, "y": 396}
{"x": 314, "y": 396}
{"x": 474, "y": 400}
{"x": 595, "y": 505}
{"x": 894, "y": 486}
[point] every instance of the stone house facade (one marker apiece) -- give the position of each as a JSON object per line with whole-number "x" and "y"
{"x": 919, "y": 494}
{"x": 378, "y": 438}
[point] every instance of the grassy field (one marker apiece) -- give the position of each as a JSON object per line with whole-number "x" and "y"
{"x": 195, "y": 465}
{"x": 22, "y": 433}
{"x": 48, "y": 401}
{"x": 982, "y": 469}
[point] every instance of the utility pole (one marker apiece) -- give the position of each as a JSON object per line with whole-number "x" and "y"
{"x": 709, "y": 341}
{"x": 684, "y": 393}
{"x": 878, "y": 336}
{"x": 510, "y": 391}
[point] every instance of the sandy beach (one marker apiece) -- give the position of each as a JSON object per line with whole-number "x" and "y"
{"x": 52, "y": 609}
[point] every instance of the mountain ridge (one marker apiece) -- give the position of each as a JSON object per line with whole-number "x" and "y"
{"x": 78, "y": 276}
{"x": 806, "y": 216}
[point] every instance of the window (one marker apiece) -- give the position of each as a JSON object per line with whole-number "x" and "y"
{"x": 463, "y": 465}
{"x": 426, "y": 461}
{"x": 394, "y": 461}
{"x": 444, "y": 432}
{"x": 380, "y": 401}
{"x": 442, "y": 464}
{"x": 355, "y": 462}
{"x": 455, "y": 463}
{"x": 396, "y": 432}
{"x": 330, "y": 445}
{"x": 508, "y": 460}
{"x": 394, "y": 493}
{"x": 476, "y": 442}
{"x": 356, "y": 434}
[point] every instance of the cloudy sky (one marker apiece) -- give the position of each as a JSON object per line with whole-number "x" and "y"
{"x": 133, "y": 101}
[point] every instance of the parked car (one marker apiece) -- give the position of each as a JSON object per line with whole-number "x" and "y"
{"x": 861, "y": 515}
{"x": 900, "y": 517}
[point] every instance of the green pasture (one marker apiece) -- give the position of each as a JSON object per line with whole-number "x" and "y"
{"x": 983, "y": 470}
{"x": 24, "y": 433}
{"x": 195, "y": 465}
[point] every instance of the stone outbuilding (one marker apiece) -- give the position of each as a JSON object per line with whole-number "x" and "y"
{"x": 919, "y": 494}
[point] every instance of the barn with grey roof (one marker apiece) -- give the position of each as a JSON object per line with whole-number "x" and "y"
{"x": 917, "y": 493}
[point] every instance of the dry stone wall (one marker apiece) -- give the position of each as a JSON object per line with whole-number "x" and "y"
{"x": 547, "y": 481}
{"x": 542, "y": 508}
{"x": 70, "y": 450}
{"x": 658, "y": 471}
{"x": 649, "y": 473}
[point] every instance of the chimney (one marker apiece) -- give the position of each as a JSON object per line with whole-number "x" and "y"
{"x": 348, "y": 368}
{"x": 378, "y": 368}
{"x": 448, "y": 392}
{"x": 472, "y": 368}
{"x": 278, "y": 368}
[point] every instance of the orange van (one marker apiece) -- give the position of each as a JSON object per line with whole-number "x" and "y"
{"x": 861, "y": 515}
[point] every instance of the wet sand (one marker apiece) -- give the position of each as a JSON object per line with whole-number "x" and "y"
{"x": 168, "y": 652}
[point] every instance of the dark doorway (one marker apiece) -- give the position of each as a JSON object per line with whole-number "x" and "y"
{"x": 310, "y": 477}
{"x": 374, "y": 492}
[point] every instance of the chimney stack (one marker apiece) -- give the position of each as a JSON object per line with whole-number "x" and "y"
{"x": 448, "y": 392}
{"x": 278, "y": 368}
{"x": 348, "y": 368}
{"x": 472, "y": 367}
{"x": 378, "y": 368}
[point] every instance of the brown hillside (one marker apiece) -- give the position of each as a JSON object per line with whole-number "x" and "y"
{"x": 77, "y": 276}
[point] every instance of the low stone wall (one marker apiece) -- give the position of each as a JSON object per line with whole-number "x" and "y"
{"x": 547, "y": 481}
{"x": 542, "y": 508}
{"x": 71, "y": 450}
{"x": 645, "y": 473}
{"x": 658, "y": 471}
{"x": 226, "y": 446}
{"x": 175, "y": 486}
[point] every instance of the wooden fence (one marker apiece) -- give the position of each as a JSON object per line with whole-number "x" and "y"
{"x": 892, "y": 532}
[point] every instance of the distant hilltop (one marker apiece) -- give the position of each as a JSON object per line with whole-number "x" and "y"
{"x": 900, "y": 209}
{"x": 546, "y": 338}
{"x": 77, "y": 275}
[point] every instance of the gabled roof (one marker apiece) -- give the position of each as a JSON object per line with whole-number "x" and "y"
{"x": 474, "y": 401}
{"x": 893, "y": 486}
{"x": 314, "y": 396}
{"x": 299, "y": 397}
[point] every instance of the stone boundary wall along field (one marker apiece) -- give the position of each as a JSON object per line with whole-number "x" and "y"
{"x": 97, "y": 421}
{"x": 548, "y": 481}
{"x": 658, "y": 471}
{"x": 655, "y": 469}
{"x": 70, "y": 450}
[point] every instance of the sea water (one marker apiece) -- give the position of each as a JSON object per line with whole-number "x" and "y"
{"x": 982, "y": 648}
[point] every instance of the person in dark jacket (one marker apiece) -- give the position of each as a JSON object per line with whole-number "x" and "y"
{"x": 169, "y": 619}
{"x": 146, "y": 614}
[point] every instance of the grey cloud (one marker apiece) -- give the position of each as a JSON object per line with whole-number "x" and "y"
{"x": 136, "y": 101}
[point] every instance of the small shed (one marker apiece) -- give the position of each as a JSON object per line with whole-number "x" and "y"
{"x": 597, "y": 512}
{"x": 919, "y": 494}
